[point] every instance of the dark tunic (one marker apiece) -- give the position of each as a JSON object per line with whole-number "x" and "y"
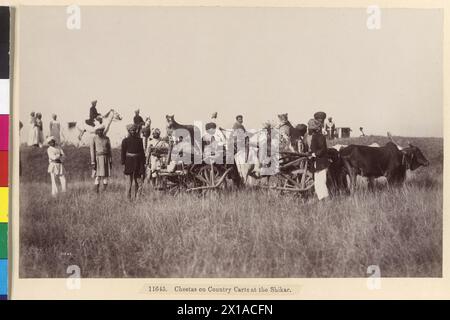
{"x": 138, "y": 120}
{"x": 319, "y": 147}
{"x": 133, "y": 156}
{"x": 93, "y": 113}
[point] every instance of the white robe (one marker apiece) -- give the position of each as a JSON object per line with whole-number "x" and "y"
{"x": 33, "y": 134}
{"x": 55, "y": 130}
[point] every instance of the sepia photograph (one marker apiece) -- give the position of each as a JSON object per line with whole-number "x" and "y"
{"x": 229, "y": 142}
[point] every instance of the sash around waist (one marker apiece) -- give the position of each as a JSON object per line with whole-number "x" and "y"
{"x": 102, "y": 153}
{"x": 132, "y": 155}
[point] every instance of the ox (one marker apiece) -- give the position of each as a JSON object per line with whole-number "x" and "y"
{"x": 336, "y": 174}
{"x": 387, "y": 161}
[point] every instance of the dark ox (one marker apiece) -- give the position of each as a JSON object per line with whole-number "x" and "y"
{"x": 387, "y": 161}
{"x": 336, "y": 174}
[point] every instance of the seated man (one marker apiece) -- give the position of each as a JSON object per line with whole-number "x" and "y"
{"x": 180, "y": 154}
{"x": 93, "y": 114}
{"x": 137, "y": 120}
{"x": 156, "y": 150}
{"x": 98, "y": 121}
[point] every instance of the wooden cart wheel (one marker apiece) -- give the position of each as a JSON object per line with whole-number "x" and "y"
{"x": 301, "y": 180}
{"x": 307, "y": 180}
{"x": 210, "y": 174}
{"x": 189, "y": 181}
{"x": 209, "y": 177}
{"x": 299, "y": 183}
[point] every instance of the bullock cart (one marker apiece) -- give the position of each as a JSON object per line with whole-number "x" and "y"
{"x": 294, "y": 173}
{"x": 213, "y": 172}
{"x": 164, "y": 174}
{"x": 207, "y": 175}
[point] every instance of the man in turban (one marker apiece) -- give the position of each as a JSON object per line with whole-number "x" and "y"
{"x": 95, "y": 117}
{"x": 330, "y": 128}
{"x": 146, "y": 131}
{"x": 101, "y": 157}
{"x": 133, "y": 158}
{"x": 93, "y": 114}
{"x": 156, "y": 150}
{"x": 320, "y": 116}
{"x": 319, "y": 150}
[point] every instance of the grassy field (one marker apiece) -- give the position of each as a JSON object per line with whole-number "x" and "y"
{"x": 246, "y": 233}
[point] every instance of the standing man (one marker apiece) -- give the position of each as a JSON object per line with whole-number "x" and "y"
{"x": 55, "y": 129}
{"x": 319, "y": 151}
{"x": 40, "y": 129}
{"x": 33, "y": 132}
{"x": 55, "y": 167}
{"x": 133, "y": 159}
{"x": 362, "y": 132}
{"x": 330, "y": 128}
{"x": 101, "y": 157}
{"x": 156, "y": 150}
{"x": 320, "y": 117}
{"x": 146, "y": 131}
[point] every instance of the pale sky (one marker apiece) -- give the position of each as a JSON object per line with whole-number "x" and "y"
{"x": 258, "y": 62}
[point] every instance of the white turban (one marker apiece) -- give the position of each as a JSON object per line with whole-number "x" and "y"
{"x": 99, "y": 127}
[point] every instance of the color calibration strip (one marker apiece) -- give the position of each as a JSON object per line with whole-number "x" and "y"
{"x": 4, "y": 146}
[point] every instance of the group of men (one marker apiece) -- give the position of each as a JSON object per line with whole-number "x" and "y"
{"x": 144, "y": 149}
{"x": 145, "y": 152}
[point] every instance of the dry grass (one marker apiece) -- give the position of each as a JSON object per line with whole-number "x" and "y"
{"x": 251, "y": 233}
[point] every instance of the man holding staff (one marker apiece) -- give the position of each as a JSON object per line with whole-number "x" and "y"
{"x": 319, "y": 150}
